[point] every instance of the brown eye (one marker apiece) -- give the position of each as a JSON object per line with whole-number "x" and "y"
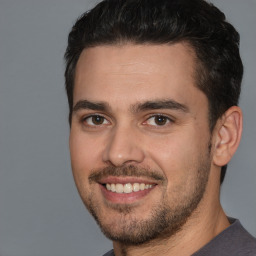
{"x": 98, "y": 120}
{"x": 158, "y": 120}
{"x": 161, "y": 120}
{"x": 95, "y": 120}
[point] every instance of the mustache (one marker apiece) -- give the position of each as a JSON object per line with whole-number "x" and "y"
{"x": 129, "y": 170}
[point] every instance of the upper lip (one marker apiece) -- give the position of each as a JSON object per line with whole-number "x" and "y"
{"x": 125, "y": 180}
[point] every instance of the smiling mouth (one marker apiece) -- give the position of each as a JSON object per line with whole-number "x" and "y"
{"x": 123, "y": 190}
{"x": 127, "y": 188}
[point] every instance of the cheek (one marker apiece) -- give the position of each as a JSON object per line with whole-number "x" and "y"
{"x": 84, "y": 155}
{"x": 175, "y": 155}
{"x": 84, "y": 149}
{"x": 83, "y": 160}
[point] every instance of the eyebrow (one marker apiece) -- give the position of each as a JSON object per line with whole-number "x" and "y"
{"x": 85, "y": 104}
{"x": 138, "y": 107}
{"x": 159, "y": 104}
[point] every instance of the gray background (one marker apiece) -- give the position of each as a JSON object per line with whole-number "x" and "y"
{"x": 40, "y": 210}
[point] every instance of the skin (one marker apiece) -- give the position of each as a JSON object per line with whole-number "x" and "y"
{"x": 114, "y": 82}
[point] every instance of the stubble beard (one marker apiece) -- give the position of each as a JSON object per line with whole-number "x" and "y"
{"x": 164, "y": 221}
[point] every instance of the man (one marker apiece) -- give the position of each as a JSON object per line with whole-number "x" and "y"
{"x": 153, "y": 89}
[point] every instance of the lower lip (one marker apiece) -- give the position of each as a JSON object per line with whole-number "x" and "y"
{"x": 124, "y": 198}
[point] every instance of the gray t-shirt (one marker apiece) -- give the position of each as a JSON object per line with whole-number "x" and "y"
{"x": 233, "y": 241}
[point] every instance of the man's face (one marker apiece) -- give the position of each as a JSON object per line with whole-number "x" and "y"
{"x": 139, "y": 139}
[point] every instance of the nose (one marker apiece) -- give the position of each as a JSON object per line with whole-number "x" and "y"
{"x": 123, "y": 147}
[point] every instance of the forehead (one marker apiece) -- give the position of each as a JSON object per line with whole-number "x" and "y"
{"x": 136, "y": 72}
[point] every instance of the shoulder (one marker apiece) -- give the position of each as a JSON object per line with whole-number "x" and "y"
{"x": 110, "y": 253}
{"x": 235, "y": 240}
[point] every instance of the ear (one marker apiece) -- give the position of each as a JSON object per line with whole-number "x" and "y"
{"x": 227, "y": 135}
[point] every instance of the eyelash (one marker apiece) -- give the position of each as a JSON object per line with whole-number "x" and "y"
{"x": 166, "y": 118}
{"x": 84, "y": 119}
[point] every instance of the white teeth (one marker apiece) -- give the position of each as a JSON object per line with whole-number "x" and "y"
{"x": 119, "y": 188}
{"x": 142, "y": 186}
{"x": 136, "y": 187}
{"x": 128, "y": 187}
{"x": 112, "y": 187}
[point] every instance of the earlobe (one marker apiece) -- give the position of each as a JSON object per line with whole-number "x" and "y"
{"x": 228, "y": 135}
